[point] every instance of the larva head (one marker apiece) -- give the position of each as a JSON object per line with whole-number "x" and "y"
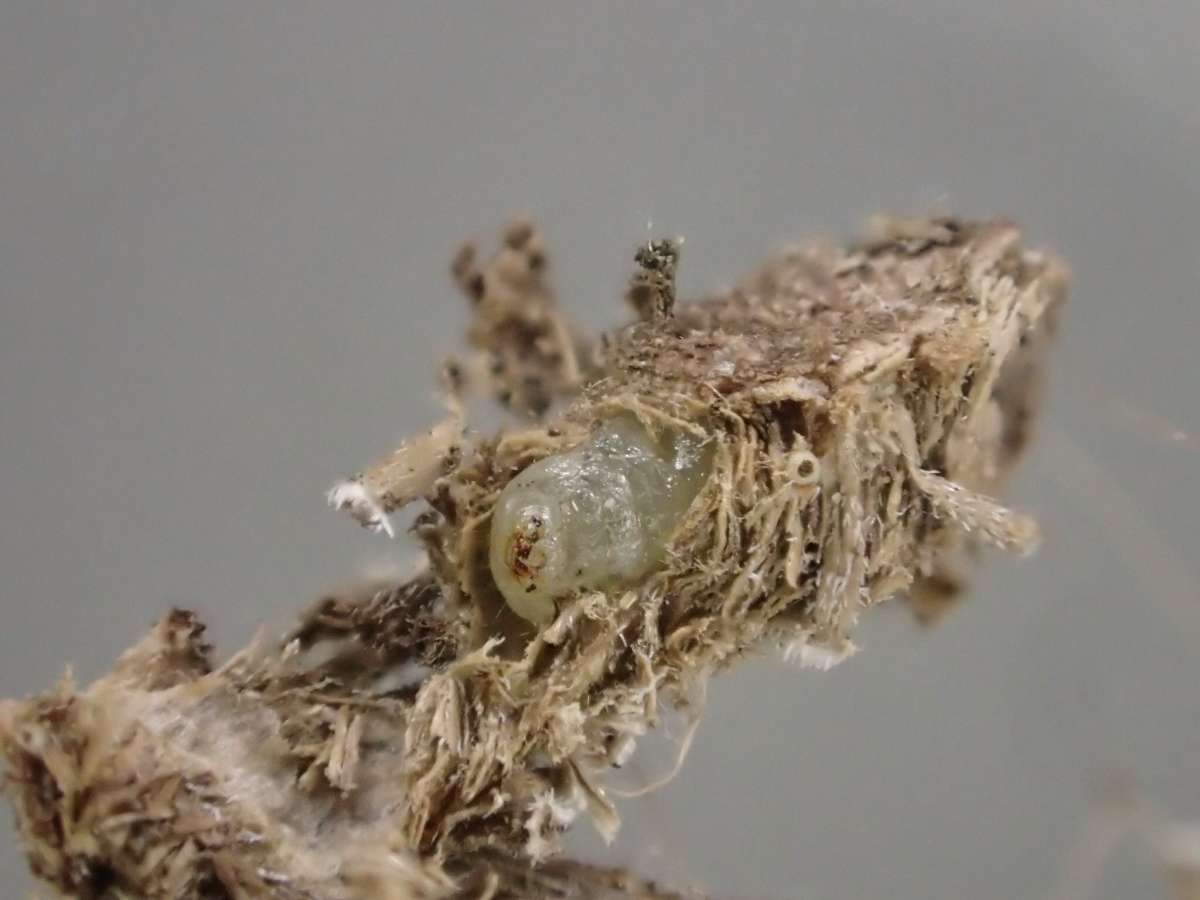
{"x": 594, "y": 518}
{"x": 527, "y": 556}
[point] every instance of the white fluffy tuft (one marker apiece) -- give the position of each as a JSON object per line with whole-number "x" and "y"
{"x": 366, "y": 510}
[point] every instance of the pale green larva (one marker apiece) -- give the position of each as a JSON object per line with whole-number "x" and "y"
{"x": 597, "y": 517}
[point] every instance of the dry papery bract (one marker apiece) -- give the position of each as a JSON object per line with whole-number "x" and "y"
{"x": 861, "y": 407}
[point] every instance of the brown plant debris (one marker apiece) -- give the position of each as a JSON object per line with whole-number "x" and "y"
{"x": 861, "y": 408}
{"x": 652, "y": 288}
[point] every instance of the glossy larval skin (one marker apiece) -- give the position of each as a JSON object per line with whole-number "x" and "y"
{"x": 597, "y": 517}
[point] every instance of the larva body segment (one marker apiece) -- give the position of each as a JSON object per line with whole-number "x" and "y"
{"x": 596, "y": 517}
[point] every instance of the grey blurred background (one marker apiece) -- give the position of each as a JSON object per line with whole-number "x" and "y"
{"x": 225, "y": 230}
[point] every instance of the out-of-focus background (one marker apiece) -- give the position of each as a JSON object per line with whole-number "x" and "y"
{"x": 224, "y": 240}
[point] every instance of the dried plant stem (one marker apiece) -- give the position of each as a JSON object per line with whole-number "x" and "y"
{"x": 861, "y": 407}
